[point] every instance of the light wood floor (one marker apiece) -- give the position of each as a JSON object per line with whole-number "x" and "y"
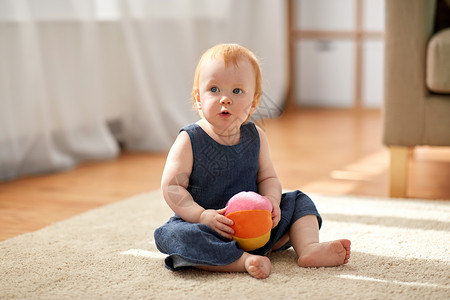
{"x": 335, "y": 152}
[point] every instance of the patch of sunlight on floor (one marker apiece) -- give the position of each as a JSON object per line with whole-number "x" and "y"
{"x": 365, "y": 168}
{"x": 356, "y": 177}
{"x": 144, "y": 253}
{"x": 424, "y": 284}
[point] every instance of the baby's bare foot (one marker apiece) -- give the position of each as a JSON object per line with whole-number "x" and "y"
{"x": 258, "y": 266}
{"x": 328, "y": 254}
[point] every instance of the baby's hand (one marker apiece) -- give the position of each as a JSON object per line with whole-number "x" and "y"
{"x": 276, "y": 215}
{"x": 216, "y": 220}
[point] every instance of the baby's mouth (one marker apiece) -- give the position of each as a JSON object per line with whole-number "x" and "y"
{"x": 225, "y": 113}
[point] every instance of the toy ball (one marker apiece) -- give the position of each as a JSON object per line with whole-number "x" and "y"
{"x": 252, "y": 217}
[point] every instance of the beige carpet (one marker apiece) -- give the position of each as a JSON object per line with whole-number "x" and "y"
{"x": 401, "y": 250}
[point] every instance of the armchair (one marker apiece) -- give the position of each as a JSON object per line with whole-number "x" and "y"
{"x": 417, "y": 82}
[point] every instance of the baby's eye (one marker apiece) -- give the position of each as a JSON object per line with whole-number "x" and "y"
{"x": 214, "y": 89}
{"x": 237, "y": 91}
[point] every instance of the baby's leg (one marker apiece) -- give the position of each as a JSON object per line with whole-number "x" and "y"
{"x": 256, "y": 265}
{"x": 304, "y": 236}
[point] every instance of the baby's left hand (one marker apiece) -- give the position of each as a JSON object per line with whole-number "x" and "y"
{"x": 276, "y": 215}
{"x": 276, "y": 211}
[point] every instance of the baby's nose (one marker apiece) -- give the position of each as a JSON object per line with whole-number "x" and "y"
{"x": 225, "y": 101}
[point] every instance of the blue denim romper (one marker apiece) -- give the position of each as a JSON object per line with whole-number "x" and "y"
{"x": 219, "y": 172}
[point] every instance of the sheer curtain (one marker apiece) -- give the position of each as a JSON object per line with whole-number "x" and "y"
{"x": 79, "y": 76}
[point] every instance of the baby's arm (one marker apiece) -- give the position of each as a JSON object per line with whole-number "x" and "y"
{"x": 175, "y": 180}
{"x": 269, "y": 185}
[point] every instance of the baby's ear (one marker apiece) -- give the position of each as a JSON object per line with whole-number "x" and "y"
{"x": 255, "y": 103}
{"x": 253, "y": 108}
{"x": 197, "y": 99}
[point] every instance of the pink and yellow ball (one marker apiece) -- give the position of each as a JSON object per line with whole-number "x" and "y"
{"x": 252, "y": 217}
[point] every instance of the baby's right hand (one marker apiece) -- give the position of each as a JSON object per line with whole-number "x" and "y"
{"x": 216, "y": 220}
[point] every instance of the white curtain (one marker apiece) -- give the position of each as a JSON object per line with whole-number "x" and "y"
{"x": 79, "y": 76}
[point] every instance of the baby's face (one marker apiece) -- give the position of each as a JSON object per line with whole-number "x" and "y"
{"x": 226, "y": 93}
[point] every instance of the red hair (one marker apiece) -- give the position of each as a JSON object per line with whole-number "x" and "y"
{"x": 230, "y": 53}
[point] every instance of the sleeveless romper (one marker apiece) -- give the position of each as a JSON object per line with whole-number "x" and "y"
{"x": 219, "y": 172}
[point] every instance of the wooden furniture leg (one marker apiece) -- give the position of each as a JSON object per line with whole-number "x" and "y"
{"x": 398, "y": 181}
